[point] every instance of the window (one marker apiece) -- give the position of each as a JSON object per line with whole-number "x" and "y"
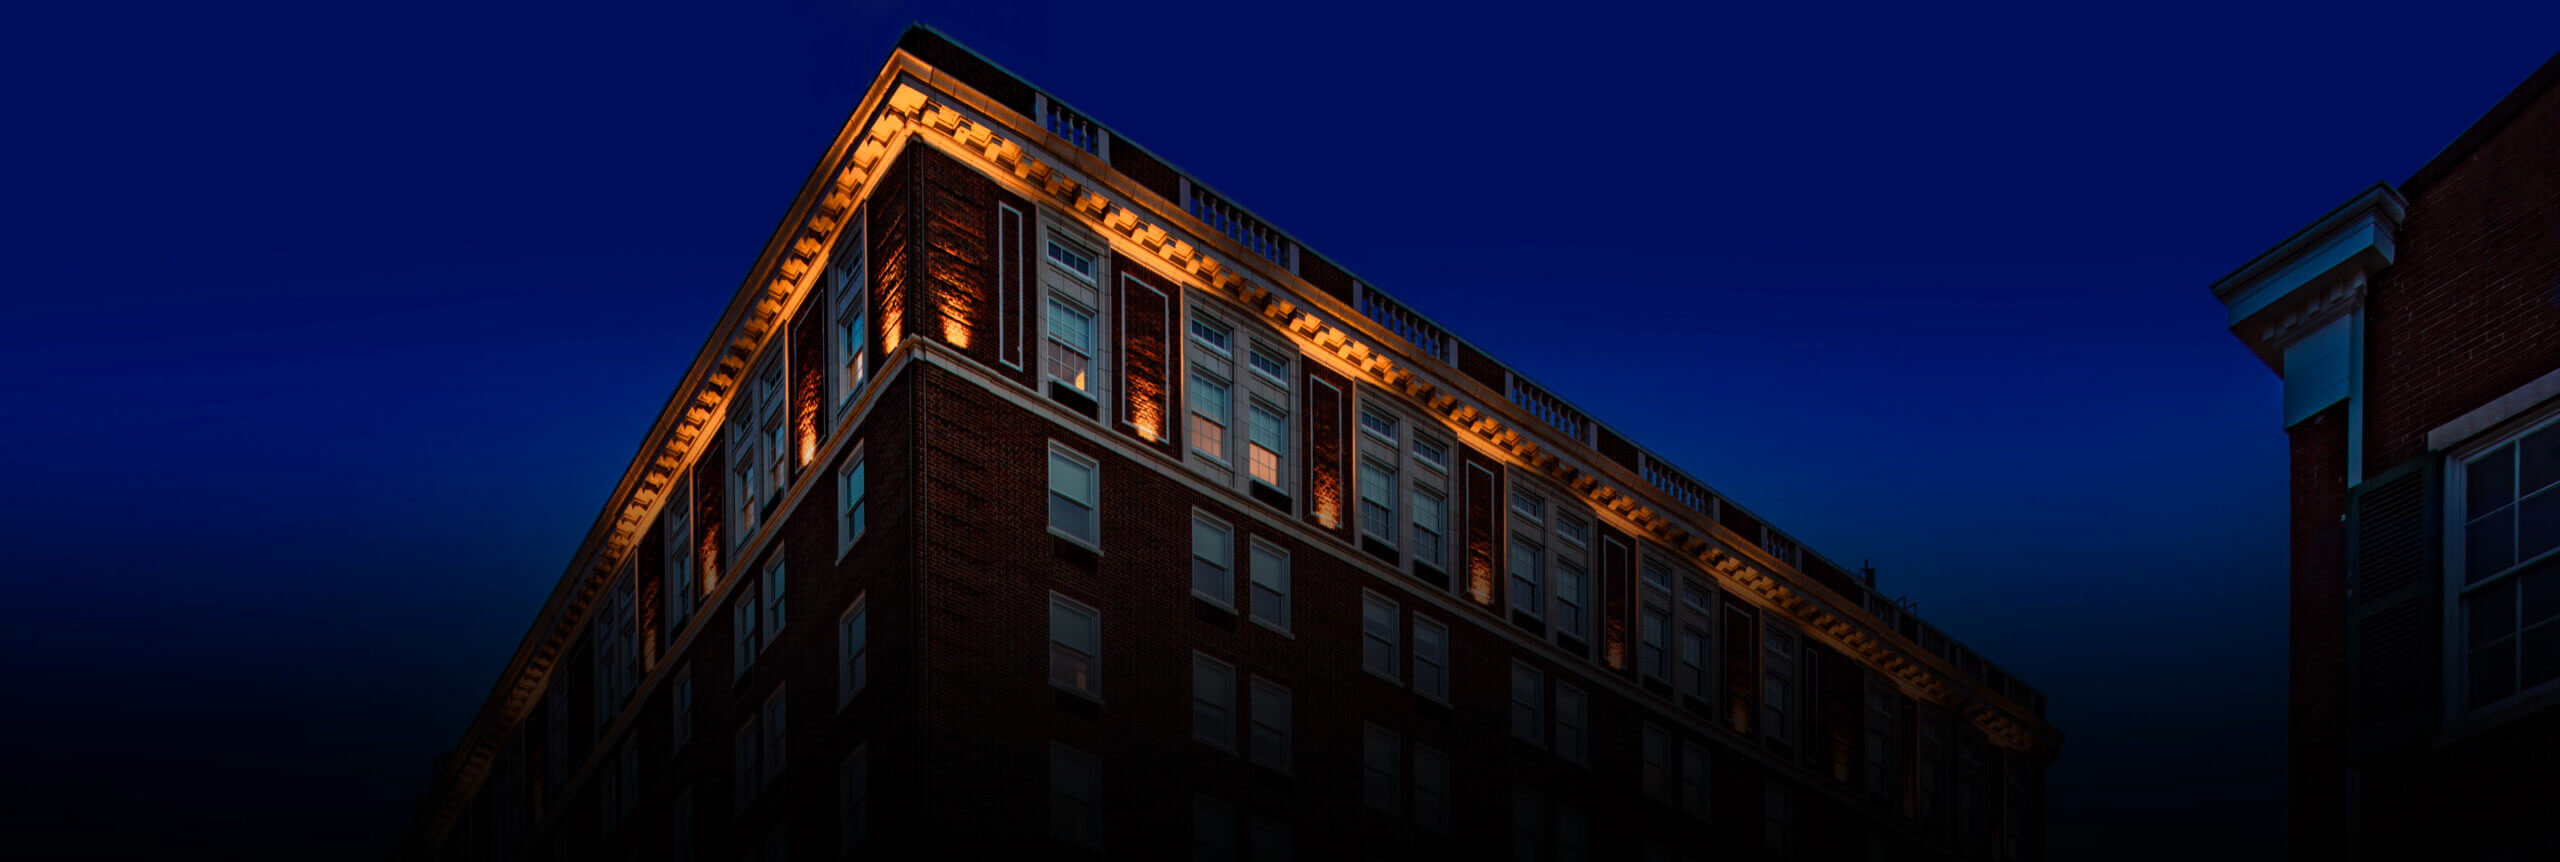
{"x": 771, "y": 398}
{"x": 1657, "y": 763}
{"x": 1378, "y": 630}
{"x": 1213, "y": 335}
{"x": 1273, "y": 842}
{"x": 1381, "y": 769}
{"x": 2509, "y": 512}
{"x": 1379, "y": 425}
{"x": 1573, "y": 835}
{"x": 775, "y": 707}
{"x": 1531, "y": 508}
{"x": 853, "y": 798}
{"x": 1266, "y": 443}
{"x": 1572, "y": 587}
{"x": 1213, "y": 830}
{"x": 1430, "y": 658}
{"x": 1213, "y": 550}
{"x": 1653, "y": 645}
{"x": 1778, "y": 686}
{"x": 617, "y": 648}
{"x": 679, "y": 832}
{"x": 758, "y": 754}
{"x": 1882, "y": 699}
{"x": 1431, "y": 789}
{"x": 618, "y": 787}
{"x": 1528, "y": 824}
{"x": 1694, "y": 664}
{"x": 1271, "y": 734}
{"x": 742, "y": 624}
{"x": 743, "y": 442}
{"x": 1213, "y": 702}
{"x": 1212, "y": 401}
{"x": 1075, "y": 647}
{"x": 1072, "y": 492}
{"x": 1075, "y": 796}
{"x": 1656, "y": 574}
{"x": 1693, "y": 780}
{"x": 853, "y": 651}
{"x": 1528, "y": 577}
{"x": 1075, "y": 260}
{"x": 1778, "y": 811}
{"x": 1574, "y": 531}
{"x": 1431, "y": 452}
{"x": 681, "y": 696}
{"x": 1270, "y": 364}
{"x": 849, "y": 487}
{"x": 1933, "y": 768}
{"x": 1573, "y": 725}
{"x": 1696, "y": 596}
{"x": 681, "y": 591}
{"x": 1528, "y": 704}
{"x": 1070, "y": 342}
{"x": 1430, "y": 524}
{"x": 1270, "y": 577}
{"x": 773, "y": 593}
{"x": 1378, "y": 499}
{"x": 852, "y": 341}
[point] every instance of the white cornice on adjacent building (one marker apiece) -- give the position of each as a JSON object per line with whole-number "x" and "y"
{"x": 2314, "y": 277}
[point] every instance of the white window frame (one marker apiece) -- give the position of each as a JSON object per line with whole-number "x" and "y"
{"x": 1279, "y": 456}
{"x": 680, "y": 707}
{"x": 1286, "y": 361}
{"x": 1528, "y": 824}
{"x": 853, "y": 650}
{"x": 746, "y": 614}
{"x": 1439, "y": 530}
{"x": 849, "y": 364}
{"x": 1435, "y": 685}
{"x": 1697, "y": 765}
{"x": 1090, "y": 795}
{"x": 2458, "y": 594}
{"x": 776, "y": 590}
{"x": 1092, "y": 653}
{"x": 1380, "y": 651}
{"x": 1093, "y": 491}
{"x": 1431, "y": 785}
{"x": 1658, "y": 777}
{"x": 1051, "y": 242}
{"x": 1780, "y": 659}
{"x": 775, "y": 727}
{"x": 1222, "y": 825}
{"x": 1204, "y": 706}
{"x": 684, "y": 586}
{"x": 1573, "y": 726}
{"x": 1271, "y": 709}
{"x": 852, "y": 516}
{"x": 1528, "y": 717}
{"x": 1225, "y": 596}
{"x": 1389, "y": 466}
{"x": 1225, "y": 423}
{"x": 1261, "y": 580}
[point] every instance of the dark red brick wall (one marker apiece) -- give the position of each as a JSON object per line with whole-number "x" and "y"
{"x": 2318, "y": 664}
{"x": 1150, "y": 355}
{"x": 2471, "y": 309}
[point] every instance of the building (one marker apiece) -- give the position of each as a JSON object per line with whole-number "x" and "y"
{"x": 2417, "y": 329}
{"x": 1033, "y": 498}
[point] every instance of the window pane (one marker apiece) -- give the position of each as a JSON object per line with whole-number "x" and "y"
{"x": 2541, "y": 587}
{"x": 2493, "y": 674}
{"x": 1270, "y": 586}
{"x": 1211, "y": 548}
{"x": 2488, "y": 545}
{"x": 2541, "y": 656}
{"x": 2539, "y": 455}
{"x": 2489, "y": 482}
{"x": 2537, "y": 524}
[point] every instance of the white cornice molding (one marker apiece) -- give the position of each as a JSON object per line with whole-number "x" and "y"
{"x": 2313, "y": 277}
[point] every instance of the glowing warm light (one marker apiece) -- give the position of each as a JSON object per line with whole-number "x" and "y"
{"x": 1328, "y": 499}
{"x": 1480, "y": 572}
{"x": 955, "y": 330}
{"x": 1146, "y": 408}
{"x": 707, "y": 556}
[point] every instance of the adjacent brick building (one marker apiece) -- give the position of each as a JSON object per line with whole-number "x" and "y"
{"x": 2417, "y": 329}
{"x": 1032, "y": 498}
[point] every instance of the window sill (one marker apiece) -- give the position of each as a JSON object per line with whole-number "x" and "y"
{"x": 1078, "y": 541}
{"x": 847, "y": 546}
{"x": 1078, "y": 692}
{"x": 1390, "y": 678}
{"x": 2497, "y": 715}
{"x": 1275, "y": 628}
{"x": 1227, "y": 605}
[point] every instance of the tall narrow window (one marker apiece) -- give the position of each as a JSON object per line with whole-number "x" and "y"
{"x": 1213, "y": 702}
{"x": 1573, "y": 835}
{"x": 681, "y": 591}
{"x": 1430, "y": 527}
{"x": 1430, "y": 658}
{"x": 1213, "y": 550}
{"x": 1572, "y": 595}
{"x": 1573, "y": 725}
{"x": 1654, "y": 642}
{"x": 1378, "y": 499}
{"x": 771, "y": 397}
{"x": 1267, "y": 434}
{"x": 1378, "y": 641}
{"x": 1271, "y": 731}
{"x": 1528, "y": 577}
{"x": 1777, "y": 809}
{"x": 1882, "y": 761}
{"x": 1212, "y": 402}
{"x": 2508, "y": 509}
{"x": 853, "y": 651}
{"x": 1693, "y": 780}
{"x": 1528, "y": 825}
{"x": 776, "y": 749}
{"x": 1213, "y": 830}
{"x": 1270, "y": 577}
{"x": 853, "y": 798}
{"x": 1075, "y": 647}
{"x": 681, "y": 696}
{"x": 743, "y": 443}
{"x": 1778, "y": 687}
{"x": 742, "y": 627}
{"x": 1381, "y": 769}
{"x": 851, "y": 301}
{"x": 1694, "y": 664}
{"x": 1075, "y": 796}
{"x": 1072, "y": 493}
{"x": 1657, "y": 763}
{"x": 1070, "y": 343}
{"x": 1431, "y": 789}
{"x": 747, "y": 765}
{"x": 849, "y": 488}
{"x": 773, "y": 594}
{"x": 1528, "y": 704}
{"x": 1656, "y": 574}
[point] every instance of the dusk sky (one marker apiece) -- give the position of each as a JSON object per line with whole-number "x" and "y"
{"x": 334, "y": 324}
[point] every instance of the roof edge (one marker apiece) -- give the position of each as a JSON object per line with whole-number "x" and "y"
{"x": 2481, "y": 130}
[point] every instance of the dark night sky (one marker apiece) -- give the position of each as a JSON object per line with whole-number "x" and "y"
{"x": 333, "y": 325}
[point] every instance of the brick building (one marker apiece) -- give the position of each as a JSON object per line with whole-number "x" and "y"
{"x": 2417, "y": 329}
{"x": 1034, "y": 498}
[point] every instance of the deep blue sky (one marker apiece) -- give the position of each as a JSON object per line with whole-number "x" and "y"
{"x": 331, "y": 325}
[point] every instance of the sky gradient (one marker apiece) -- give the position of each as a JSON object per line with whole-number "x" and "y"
{"x": 337, "y": 322}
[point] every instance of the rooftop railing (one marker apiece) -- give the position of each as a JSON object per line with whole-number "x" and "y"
{"x": 1413, "y": 328}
